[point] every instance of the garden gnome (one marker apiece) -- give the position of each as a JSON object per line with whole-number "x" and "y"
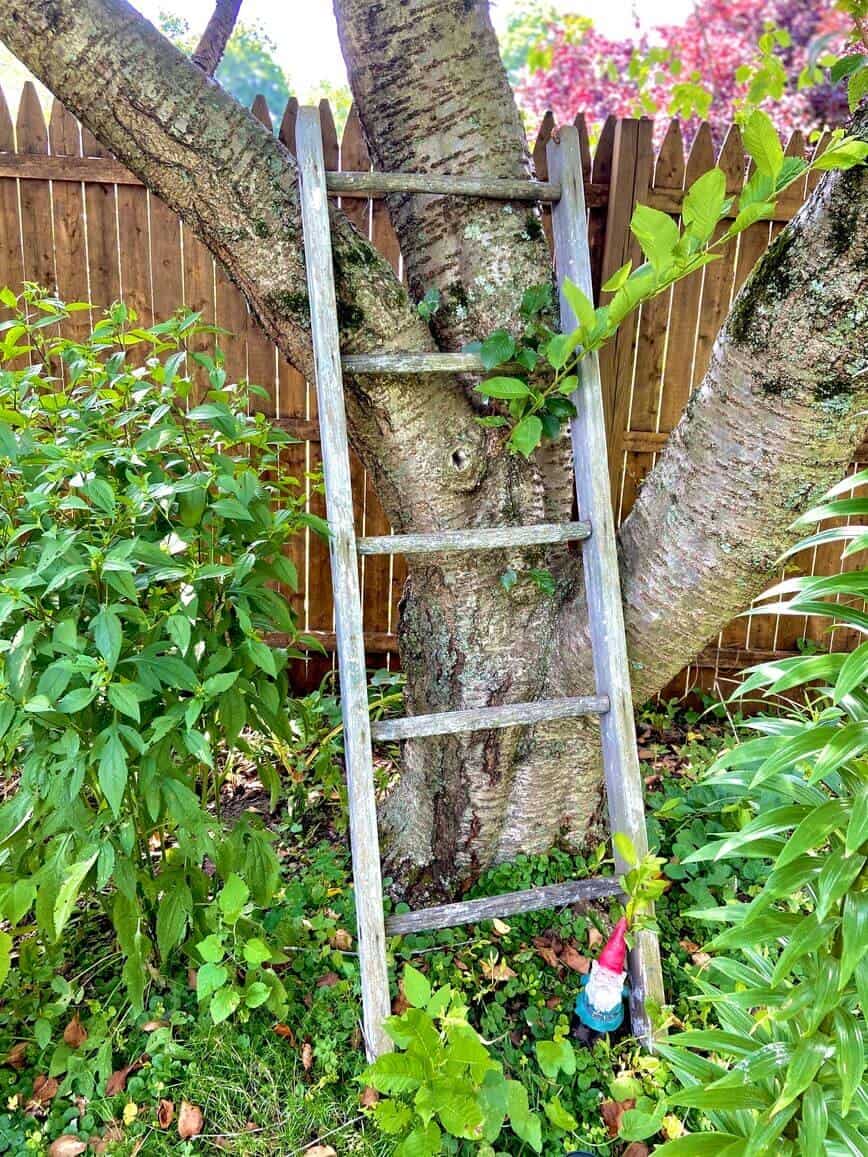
{"x": 600, "y": 1003}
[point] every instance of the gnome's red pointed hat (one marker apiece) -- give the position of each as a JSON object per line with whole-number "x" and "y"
{"x": 614, "y": 953}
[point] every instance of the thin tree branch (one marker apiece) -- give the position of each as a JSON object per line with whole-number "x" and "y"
{"x": 212, "y": 45}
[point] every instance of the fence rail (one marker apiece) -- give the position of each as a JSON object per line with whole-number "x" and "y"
{"x": 73, "y": 218}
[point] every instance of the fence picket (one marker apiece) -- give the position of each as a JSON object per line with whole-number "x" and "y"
{"x": 31, "y": 135}
{"x": 11, "y": 260}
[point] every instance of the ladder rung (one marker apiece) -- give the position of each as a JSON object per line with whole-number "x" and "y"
{"x": 410, "y": 363}
{"x": 483, "y": 538}
{"x": 495, "y": 907}
{"x": 350, "y": 184}
{"x": 488, "y": 718}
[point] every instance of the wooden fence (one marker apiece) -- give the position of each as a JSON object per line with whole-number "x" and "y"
{"x": 73, "y": 218}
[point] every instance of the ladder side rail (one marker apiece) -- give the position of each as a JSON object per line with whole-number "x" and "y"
{"x": 364, "y": 838}
{"x": 599, "y": 554}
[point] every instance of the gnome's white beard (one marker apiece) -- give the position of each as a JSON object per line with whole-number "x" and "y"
{"x": 604, "y": 988}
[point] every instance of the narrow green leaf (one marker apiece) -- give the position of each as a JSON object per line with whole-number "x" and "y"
{"x": 762, "y": 142}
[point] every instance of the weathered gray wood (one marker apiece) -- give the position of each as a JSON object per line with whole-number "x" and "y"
{"x": 410, "y": 363}
{"x": 496, "y": 907}
{"x": 599, "y": 554}
{"x": 350, "y": 184}
{"x": 488, "y": 718}
{"x": 483, "y": 538}
{"x": 364, "y": 839}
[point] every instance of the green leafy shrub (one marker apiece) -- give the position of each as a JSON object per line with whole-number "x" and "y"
{"x": 786, "y": 1070}
{"x": 141, "y": 537}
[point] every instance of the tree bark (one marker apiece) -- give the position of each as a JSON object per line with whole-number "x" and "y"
{"x": 774, "y": 421}
{"x": 212, "y": 44}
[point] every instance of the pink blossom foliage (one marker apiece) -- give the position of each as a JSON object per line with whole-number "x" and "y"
{"x": 586, "y": 72}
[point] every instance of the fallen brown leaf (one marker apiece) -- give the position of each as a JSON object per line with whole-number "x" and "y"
{"x": 111, "y": 1135}
{"x": 190, "y": 1121}
{"x": 553, "y": 1002}
{"x": 117, "y": 1082}
{"x": 400, "y": 1004}
{"x": 165, "y": 1113}
{"x": 575, "y": 960}
{"x": 44, "y": 1089}
{"x": 546, "y": 950}
{"x": 369, "y": 1096}
{"x": 612, "y": 1112}
{"x": 75, "y": 1034}
{"x": 499, "y": 973}
{"x": 328, "y": 981}
{"x": 66, "y": 1146}
{"x": 16, "y": 1058}
{"x": 595, "y": 937}
{"x": 153, "y": 1025}
{"x": 320, "y": 1151}
{"x": 636, "y": 1149}
{"x": 341, "y": 940}
{"x": 192, "y": 978}
{"x": 700, "y": 959}
{"x": 284, "y": 1031}
{"x": 307, "y": 1056}
{"x": 689, "y": 945}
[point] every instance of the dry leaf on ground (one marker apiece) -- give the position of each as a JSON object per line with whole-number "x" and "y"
{"x": 328, "y": 981}
{"x": 636, "y": 1149}
{"x": 117, "y": 1082}
{"x": 66, "y": 1145}
{"x": 16, "y": 1058}
{"x": 284, "y": 1031}
{"x": 307, "y": 1056}
{"x": 574, "y": 960}
{"x": 499, "y": 972}
{"x": 369, "y": 1096}
{"x": 44, "y": 1089}
{"x": 342, "y": 940}
{"x": 320, "y": 1151}
{"x": 190, "y": 1121}
{"x": 595, "y": 937}
{"x": 75, "y": 1033}
{"x": 165, "y": 1113}
{"x": 612, "y": 1112}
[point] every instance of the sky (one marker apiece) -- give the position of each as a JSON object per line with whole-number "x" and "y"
{"x": 307, "y": 40}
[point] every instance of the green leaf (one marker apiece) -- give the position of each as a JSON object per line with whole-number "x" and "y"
{"x": 838, "y": 873}
{"x": 525, "y": 1124}
{"x": 758, "y": 211}
{"x": 232, "y": 897}
{"x": 256, "y": 994}
{"x": 704, "y": 203}
{"x": 554, "y": 1056}
{"x": 618, "y": 278}
{"x": 846, "y": 154}
{"x": 231, "y": 509}
{"x": 391, "y": 1116}
{"x": 123, "y": 699}
{"x": 211, "y": 949}
{"x": 813, "y": 831}
{"x": 762, "y": 142}
{"x": 854, "y": 934}
{"x": 173, "y": 914}
{"x": 423, "y": 1141}
{"x": 699, "y": 1145}
{"x": 108, "y": 636}
{"x": 625, "y": 848}
{"x": 416, "y": 987}
{"x": 496, "y": 349}
{"x": 467, "y": 1054}
{"x": 735, "y": 1097}
{"x": 67, "y": 893}
{"x": 395, "y": 1073}
{"x": 849, "y": 1055}
{"x": 657, "y": 234}
{"x": 209, "y": 978}
{"x": 5, "y": 956}
{"x": 526, "y": 435}
{"x": 112, "y": 770}
{"x": 804, "y": 1065}
{"x": 256, "y": 951}
{"x": 559, "y": 1116}
{"x": 807, "y": 937}
{"x": 223, "y": 1003}
{"x": 504, "y": 388}
{"x": 814, "y": 1123}
{"x": 853, "y": 673}
{"x": 581, "y": 306}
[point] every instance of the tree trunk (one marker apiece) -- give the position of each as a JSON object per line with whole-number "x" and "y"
{"x": 775, "y": 420}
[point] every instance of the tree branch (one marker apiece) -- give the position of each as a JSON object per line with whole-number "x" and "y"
{"x": 236, "y": 187}
{"x": 212, "y": 45}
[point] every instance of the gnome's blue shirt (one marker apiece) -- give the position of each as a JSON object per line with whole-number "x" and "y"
{"x": 593, "y": 1017}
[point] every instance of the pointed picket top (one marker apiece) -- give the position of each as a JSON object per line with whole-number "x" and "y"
{"x": 90, "y": 146}
{"x": 669, "y": 169}
{"x": 7, "y": 131}
{"x": 731, "y": 159}
{"x": 329, "y": 135}
{"x": 584, "y": 145}
{"x": 797, "y": 146}
{"x": 30, "y": 127}
{"x": 354, "y": 151}
{"x": 259, "y": 108}
{"x": 540, "y": 164}
{"x": 701, "y": 156}
{"x": 286, "y": 133}
{"x": 63, "y": 132}
{"x": 602, "y": 168}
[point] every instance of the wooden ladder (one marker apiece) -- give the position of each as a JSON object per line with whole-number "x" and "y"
{"x": 612, "y": 703}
